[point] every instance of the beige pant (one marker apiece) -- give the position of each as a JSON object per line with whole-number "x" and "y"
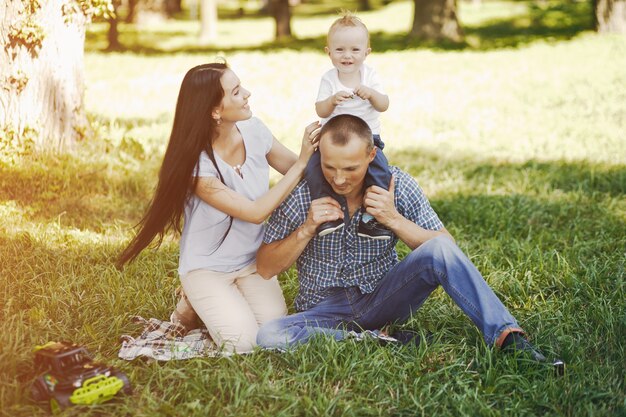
{"x": 234, "y": 305}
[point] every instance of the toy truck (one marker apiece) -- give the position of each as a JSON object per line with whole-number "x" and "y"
{"x": 71, "y": 377}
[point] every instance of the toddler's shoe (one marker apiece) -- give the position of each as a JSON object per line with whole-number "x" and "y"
{"x": 329, "y": 227}
{"x": 374, "y": 230}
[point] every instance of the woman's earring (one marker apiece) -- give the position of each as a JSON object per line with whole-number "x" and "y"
{"x": 218, "y": 121}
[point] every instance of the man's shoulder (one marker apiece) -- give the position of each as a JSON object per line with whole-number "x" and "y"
{"x": 404, "y": 184}
{"x": 300, "y": 196}
{"x": 400, "y": 174}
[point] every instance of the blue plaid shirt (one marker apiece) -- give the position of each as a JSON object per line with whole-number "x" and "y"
{"x": 342, "y": 258}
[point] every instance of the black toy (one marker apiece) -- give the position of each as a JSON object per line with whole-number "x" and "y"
{"x": 71, "y": 377}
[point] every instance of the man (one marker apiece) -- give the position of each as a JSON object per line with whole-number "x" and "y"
{"x": 351, "y": 283}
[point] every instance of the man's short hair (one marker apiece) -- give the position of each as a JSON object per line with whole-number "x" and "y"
{"x": 340, "y": 129}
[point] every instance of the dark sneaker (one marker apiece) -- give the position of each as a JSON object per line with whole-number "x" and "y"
{"x": 410, "y": 337}
{"x": 374, "y": 230}
{"x": 516, "y": 342}
{"x": 329, "y": 227}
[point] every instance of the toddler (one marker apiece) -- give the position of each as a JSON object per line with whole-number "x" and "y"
{"x": 351, "y": 87}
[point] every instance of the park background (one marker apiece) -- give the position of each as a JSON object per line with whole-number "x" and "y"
{"x": 516, "y": 133}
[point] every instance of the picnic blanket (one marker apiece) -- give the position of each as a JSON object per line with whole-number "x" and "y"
{"x": 164, "y": 341}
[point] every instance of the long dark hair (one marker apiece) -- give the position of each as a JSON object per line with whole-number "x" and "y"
{"x": 193, "y": 131}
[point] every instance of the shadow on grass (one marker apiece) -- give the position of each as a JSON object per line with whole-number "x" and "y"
{"x": 92, "y": 195}
{"x": 549, "y": 21}
{"x": 584, "y": 177}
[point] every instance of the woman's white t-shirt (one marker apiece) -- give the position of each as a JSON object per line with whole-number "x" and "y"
{"x": 205, "y": 226}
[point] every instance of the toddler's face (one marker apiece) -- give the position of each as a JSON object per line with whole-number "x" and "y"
{"x": 347, "y": 48}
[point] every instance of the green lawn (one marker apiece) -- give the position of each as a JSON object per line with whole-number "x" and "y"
{"x": 518, "y": 138}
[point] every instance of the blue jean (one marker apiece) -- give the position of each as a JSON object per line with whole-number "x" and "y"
{"x": 402, "y": 291}
{"x": 377, "y": 173}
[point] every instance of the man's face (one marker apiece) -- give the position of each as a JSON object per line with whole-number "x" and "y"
{"x": 345, "y": 166}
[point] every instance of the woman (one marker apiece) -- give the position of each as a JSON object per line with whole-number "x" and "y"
{"x": 215, "y": 174}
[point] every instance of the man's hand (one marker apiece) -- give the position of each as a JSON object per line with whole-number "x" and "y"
{"x": 276, "y": 257}
{"x": 380, "y": 204}
{"x": 322, "y": 210}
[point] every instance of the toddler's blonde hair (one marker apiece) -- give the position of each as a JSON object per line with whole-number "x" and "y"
{"x": 347, "y": 20}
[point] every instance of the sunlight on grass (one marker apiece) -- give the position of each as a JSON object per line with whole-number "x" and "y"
{"x": 466, "y": 101}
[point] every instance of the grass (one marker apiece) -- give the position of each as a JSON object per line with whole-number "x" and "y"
{"x": 518, "y": 140}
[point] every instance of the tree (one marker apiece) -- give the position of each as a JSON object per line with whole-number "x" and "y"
{"x": 173, "y": 6}
{"x": 113, "y": 34}
{"x": 41, "y": 68}
{"x": 281, "y": 11}
{"x": 610, "y": 16}
{"x": 208, "y": 22}
{"x": 436, "y": 20}
{"x": 364, "y": 5}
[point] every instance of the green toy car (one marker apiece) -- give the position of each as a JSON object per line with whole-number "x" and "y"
{"x": 73, "y": 378}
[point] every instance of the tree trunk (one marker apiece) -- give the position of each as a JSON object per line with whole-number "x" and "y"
{"x": 132, "y": 11}
{"x": 113, "y": 34}
{"x": 208, "y": 22}
{"x": 41, "y": 71}
{"x": 173, "y": 6}
{"x": 149, "y": 11}
{"x": 281, "y": 12}
{"x": 610, "y": 16}
{"x": 364, "y": 5}
{"x": 436, "y": 20}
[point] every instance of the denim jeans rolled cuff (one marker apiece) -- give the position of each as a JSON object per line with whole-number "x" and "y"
{"x": 505, "y": 332}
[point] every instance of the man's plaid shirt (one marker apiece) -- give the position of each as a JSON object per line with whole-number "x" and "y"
{"x": 342, "y": 258}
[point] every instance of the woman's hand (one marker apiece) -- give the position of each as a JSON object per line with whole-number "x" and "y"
{"x": 310, "y": 140}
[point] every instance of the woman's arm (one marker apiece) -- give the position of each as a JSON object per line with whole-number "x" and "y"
{"x": 280, "y": 157}
{"x": 213, "y": 192}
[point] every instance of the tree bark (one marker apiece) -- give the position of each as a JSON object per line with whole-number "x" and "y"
{"x": 113, "y": 34}
{"x": 42, "y": 76}
{"x": 173, "y": 6}
{"x": 208, "y": 22}
{"x": 436, "y": 20}
{"x": 281, "y": 12}
{"x": 610, "y": 16}
{"x": 364, "y": 5}
{"x": 148, "y": 11}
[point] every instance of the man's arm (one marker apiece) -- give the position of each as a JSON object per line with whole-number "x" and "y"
{"x": 276, "y": 257}
{"x": 380, "y": 204}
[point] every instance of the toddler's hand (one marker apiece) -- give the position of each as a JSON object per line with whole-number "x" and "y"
{"x": 364, "y": 92}
{"x": 340, "y": 97}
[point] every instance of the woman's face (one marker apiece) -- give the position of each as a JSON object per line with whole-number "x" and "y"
{"x": 234, "y": 105}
